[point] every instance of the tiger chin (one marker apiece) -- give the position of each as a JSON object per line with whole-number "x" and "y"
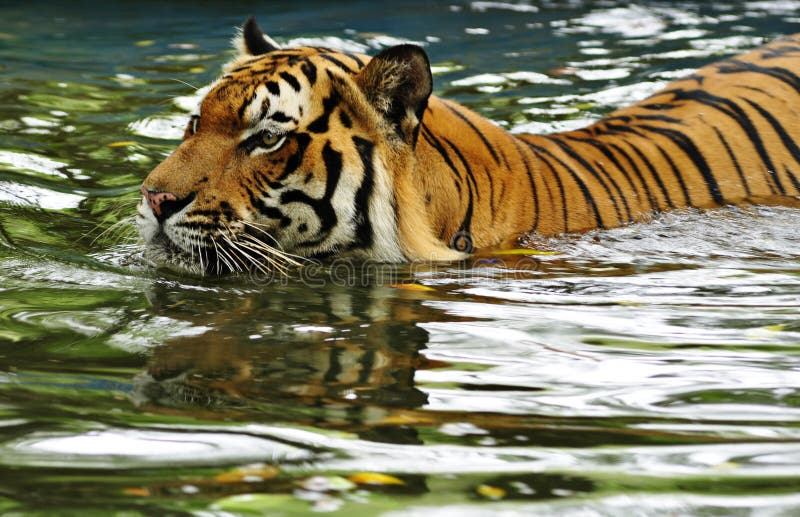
{"x": 309, "y": 152}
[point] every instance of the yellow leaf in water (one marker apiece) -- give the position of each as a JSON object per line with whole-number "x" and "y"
{"x": 412, "y": 287}
{"x": 124, "y": 143}
{"x": 375, "y": 478}
{"x": 523, "y": 251}
{"x": 197, "y": 69}
{"x": 137, "y": 491}
{"x": 145, "y": 43}
{"x": 726, "y": 465}
{"x": 490, "y": 492}
{"x": 406, "y": 420}
{"x": 776, "y": 328}
{"x": 248, "y": 474}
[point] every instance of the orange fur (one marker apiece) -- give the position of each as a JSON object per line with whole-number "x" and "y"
{"x": 356, "y": 171}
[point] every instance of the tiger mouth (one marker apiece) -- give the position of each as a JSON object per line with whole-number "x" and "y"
{"x": 160, "y": 251}
{"x": 226, "y": 253}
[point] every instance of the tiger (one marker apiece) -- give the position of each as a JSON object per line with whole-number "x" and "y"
{"x": 308, "y": 152}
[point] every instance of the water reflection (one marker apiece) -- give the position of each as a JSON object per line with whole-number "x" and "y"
{"x": 349, "y": 358}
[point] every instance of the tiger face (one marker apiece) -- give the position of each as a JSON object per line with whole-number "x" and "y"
{"x": 291, "y": 153}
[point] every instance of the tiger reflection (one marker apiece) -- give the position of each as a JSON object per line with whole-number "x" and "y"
{"x": 353, "y": 355}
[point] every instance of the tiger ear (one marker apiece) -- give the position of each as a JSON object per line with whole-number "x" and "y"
{"x": 253, "y": 41}
{"x": 398, "y": 82}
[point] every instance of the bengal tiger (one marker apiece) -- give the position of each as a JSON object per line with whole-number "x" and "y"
{"x": 309, "y": 152}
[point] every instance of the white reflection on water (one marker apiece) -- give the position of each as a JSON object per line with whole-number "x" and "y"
{"x": 30, "y": 195}
{"x": 693, "y": 316}
{"x": 668, "y": 504}
{"x": 110, "y": 448}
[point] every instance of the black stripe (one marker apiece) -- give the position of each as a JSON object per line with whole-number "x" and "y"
{"x": 793, "y": 179}
{"x": 309, "y": 69}
{"x": 322, "y": 207}
{"x": 267, "y": 211}
{"x": 273, "y": 87}
{"x": 292, "y": 80}
{"x": 787, "y": 141}
{"x": 293, "y": 163}
{"x": 320, "y": 124}
{"x": 655, "y": 118}
{"x": 733, "y": 158}
{"x": 466, "y": 223}
{"x": 635, "y": 168}
{"x": 199, "y": 225}
{"x": 734, "y": 111}
{"x": 434, "y": 142}
{"x": 690, "y": 149}
{"x": 759, "y": 90}
{"x": 264, "y": 109}
{"x": 608, "y": 154}
{"x": 476, "y": 130}
{"x": 489, "y": 178}
{"x": 559, "y": 182}
{"x": 280, "y": 116}
{"x": 534, "y": 193}
{"x": 654, "y": 174}
{"x": 336, "y": 62}
{"x": 284, "y": 54}
{"x": 243, "y": 107}
{"x": 735, "y": 66}
{"x": 779, "y": 49}
{"x": 658, "y": 106}
{"x": 344, "y": 118}
{"x": 363, "y": 230}
{"x": 586, "y": 165}
{"x": 677, "y": 174}
{"x": 356, "y": 59}
{"x": 587, "y": 195}
{"x": 504, "y": 158}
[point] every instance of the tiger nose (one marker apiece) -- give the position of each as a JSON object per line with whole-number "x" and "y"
{"x": 165, "y": 204}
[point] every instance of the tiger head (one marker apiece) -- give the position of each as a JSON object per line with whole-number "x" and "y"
{"x": 291, "y": 153}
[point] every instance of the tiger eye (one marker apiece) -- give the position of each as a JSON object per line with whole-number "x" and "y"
{"x": 270, "y": 139}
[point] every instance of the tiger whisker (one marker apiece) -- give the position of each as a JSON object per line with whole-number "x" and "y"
{"x": 200, "y": 255}
{"x": 217, "y": 255}
{"x": 275, "y": 257}
{"x": 256, "y": 244}
{"x": 242, "y": 251}
{"x": 227, "y": 258}
{"x": 113, "y": 228}
{"x": 185, "y": 83}
{"x": 237, "y": 261}
{"x": 277, "y": 265}
{"x": 260, "y": 228}
{"x": 270, "y": 254}
{"x": 295, "y": 260}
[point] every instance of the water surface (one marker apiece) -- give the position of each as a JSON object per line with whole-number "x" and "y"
{"x": 648, "y": 370}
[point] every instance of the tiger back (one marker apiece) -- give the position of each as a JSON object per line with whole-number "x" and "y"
{"x": 307, "y": 152}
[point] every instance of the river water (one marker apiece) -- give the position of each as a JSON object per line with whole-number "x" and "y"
{"x": 648, "y": 370}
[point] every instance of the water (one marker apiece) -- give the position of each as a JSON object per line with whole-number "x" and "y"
{"x": 649, "y": 370}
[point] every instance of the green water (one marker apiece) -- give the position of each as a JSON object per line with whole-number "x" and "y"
{"x": 650, "y": 370}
